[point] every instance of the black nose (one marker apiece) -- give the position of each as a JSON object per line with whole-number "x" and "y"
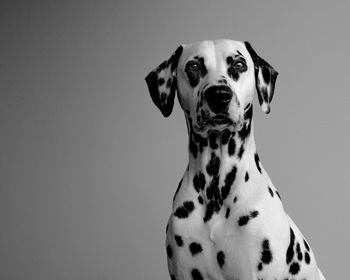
{"x": 218, "y": 98}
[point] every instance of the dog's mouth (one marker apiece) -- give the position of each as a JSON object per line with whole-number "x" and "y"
{"x": 219, "y": 120}
{"x": 234, "y": 121}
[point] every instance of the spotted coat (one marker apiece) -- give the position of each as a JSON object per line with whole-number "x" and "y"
{"x": 227, "y": 219}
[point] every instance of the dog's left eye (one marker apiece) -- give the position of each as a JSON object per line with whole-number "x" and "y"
{"x": 239, "y": 64}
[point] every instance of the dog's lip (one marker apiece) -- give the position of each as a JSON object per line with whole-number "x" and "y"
{"x": 220, "y": 119}
{"x": 218, "y": 122}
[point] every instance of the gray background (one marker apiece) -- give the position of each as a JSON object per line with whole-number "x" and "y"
{"x": 88, "y": 166}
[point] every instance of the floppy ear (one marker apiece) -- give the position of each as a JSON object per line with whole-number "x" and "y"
{"x": 265, "y": 79}
{"x": 162, "y": 83}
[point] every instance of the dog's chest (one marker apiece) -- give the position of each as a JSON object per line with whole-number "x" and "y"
{"x": 219, "y": 247}
{"x": 224, "y": 244}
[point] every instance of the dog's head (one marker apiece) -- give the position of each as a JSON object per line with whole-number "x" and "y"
{"x": 215, "y": 82}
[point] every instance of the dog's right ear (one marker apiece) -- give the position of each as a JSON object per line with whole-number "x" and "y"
{"x": 162, "y": 83}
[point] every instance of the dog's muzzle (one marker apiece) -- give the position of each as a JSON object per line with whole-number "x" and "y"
{"x": 218, "y": 98}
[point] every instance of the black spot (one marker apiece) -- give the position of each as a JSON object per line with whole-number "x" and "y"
{"x": 264, "y": 94}
{"x": 243, "y": 220}
{"x": 248, "y": 115}
{"x": 227, "y": 213}
{"x": 254, "y": 214}
{"x": 209, "y": 211}
{"x": 220, "y": 258}
{"x": 189, "y": 206}
{"x": 163, "y": 65}
{"x": 230, "y": 178}
{"x": 299, "y": 253}
{"x": 233, "y": 74}
{"x": 260, "y": 266}
{"x": 294, "y": 268}
{"x": 203, "y": 68}
{"x": 193, "y": 147}
{"x": 168, "y": 83}
{"x": 199, "y": 181}
{"x": 213, "y": 165}
{"x": 270, "y": 191}
{"x": 225, "y": 136}
{"x": 183, "y": 211}
{"x": 167, "y": 227}
{"x": 177, "y": 190}
{"x": 195, "y": 248}
{"x": 307, "y": 258}
{"x": 231, "y": 146}
{"x": 196, "y": 275}
{"x": 200, "y": 199}
{"x": 278, "y": 195}
{"x": 257, "y": 162}
{"x": 235, "y": 199}
{"x": 213, "y": 192}
{"x": 266, "y": 74}
{"x": 290, "y": 250}
{"x": 193, "y": 78}
{"x": 214, "y": 197}
{"x": 174, "y": 59}
{"x": 229, "y": 60}
{"x": 245, "y": 131}
{"x": 172, "y": 277}
{"x": 202, "y": 142}
{"x": 306, "y": 245}
{"x": 241, "y": 151}
{"x": 179, "y": 240}
{"x": 300, "y": 256}
{"x": 169, "y": 251}
{"x": 266, "y": 254}
{"x": 212, "y": 140}
{"x": 246, "y": 177}
{"x": 161, "y": 81}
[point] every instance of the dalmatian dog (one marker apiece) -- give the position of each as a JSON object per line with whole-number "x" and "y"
{"x": 227, "y": 220}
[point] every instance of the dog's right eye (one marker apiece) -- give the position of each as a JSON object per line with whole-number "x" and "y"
{"x": 193, "y": 66}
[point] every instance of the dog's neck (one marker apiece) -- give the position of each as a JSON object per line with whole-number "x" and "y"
{"x": 223, "y": 148}
{"x": 221, "y": 160}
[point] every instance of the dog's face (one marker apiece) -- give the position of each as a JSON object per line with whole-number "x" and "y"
{"x": 215, "y": 81}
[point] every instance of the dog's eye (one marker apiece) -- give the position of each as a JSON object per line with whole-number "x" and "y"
{"x": 193, "y": 66}
{"x": 239, "y": 64}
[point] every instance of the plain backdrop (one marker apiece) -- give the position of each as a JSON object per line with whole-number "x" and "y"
{"x": 88, "y": 165}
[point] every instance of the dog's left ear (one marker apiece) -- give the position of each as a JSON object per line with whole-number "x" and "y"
{"x": 265, "y": 79}
{"x": 162, "y": 83}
